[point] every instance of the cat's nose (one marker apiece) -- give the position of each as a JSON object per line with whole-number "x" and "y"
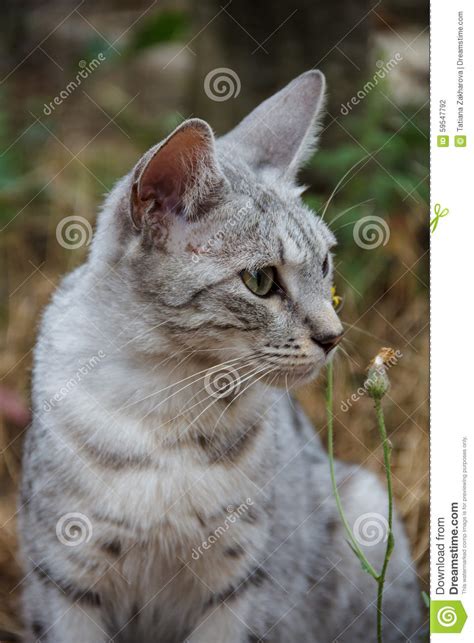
{"x": 327, "y": 342}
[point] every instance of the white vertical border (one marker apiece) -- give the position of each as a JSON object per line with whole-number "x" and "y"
{"x": 452, "y": 273}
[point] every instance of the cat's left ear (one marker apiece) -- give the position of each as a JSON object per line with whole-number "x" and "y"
{"x": 280, "y": 134}
{"x": 179, "y": 177}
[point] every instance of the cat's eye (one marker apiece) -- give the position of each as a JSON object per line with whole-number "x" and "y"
{"x": 325, "y": 266}
{"x": 261, "y": 282}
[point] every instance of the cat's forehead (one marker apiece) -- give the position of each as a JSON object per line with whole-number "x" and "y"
{"x": 272, "y": 215}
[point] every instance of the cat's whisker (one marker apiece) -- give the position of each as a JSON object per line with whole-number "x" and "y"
{"x": 353, "y": 207}
{"x": 345, "y": 225}
{"x": 189, "y": 408}
{"x": 205, "y": 371}
{"x": 254, "y": 365}
{"x": 352, "y": 347}
{"x": 339, "y": 184}
{"x": 140, "y": 335}
{"x": 243, "y": 391}
{"x": 214, "y": 401}
{"x": 178, "y": 364}
{"x": 350, "y": 360}
{"x": 191, "y": 352}
{"x": 156, "y": 366}
{"x": 169, "y": 358}
{"x": 228, "y": 405}
{"x": 265, "y": 374}
{"x": 364, "y": 332}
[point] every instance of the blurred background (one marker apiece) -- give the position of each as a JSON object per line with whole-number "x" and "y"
{"x": 86, "y": 87}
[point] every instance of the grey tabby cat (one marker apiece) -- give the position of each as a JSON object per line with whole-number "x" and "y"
{"x": 172, "y": 490}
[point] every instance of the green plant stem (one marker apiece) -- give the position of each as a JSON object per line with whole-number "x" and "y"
{"x": 329, "y": 409}
{"x": 387, "y": 452}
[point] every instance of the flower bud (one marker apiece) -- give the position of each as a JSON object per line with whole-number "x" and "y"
{"x": 377, "y": 382}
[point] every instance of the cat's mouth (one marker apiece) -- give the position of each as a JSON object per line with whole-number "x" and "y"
{"x": 285, "y": 375}
{"x": 295, "y": 369}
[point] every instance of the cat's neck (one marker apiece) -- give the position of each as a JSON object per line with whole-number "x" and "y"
{"x": 192, "y": 398}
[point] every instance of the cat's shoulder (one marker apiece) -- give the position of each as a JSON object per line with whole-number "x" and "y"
{"x": 67, "y": 305}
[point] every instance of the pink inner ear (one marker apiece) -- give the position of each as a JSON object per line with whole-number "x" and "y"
{"x": 171, "y": 170}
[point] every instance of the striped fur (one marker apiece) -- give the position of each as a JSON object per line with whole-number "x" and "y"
{"x": 194, "y": 515}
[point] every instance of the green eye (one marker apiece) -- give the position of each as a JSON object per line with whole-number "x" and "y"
{"x": 260, "y": 282}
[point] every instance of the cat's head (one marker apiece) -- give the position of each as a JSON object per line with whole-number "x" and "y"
{"x": 220, "y": 249}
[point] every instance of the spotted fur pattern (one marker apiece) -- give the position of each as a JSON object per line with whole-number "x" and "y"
{"x": 158, "y": 505}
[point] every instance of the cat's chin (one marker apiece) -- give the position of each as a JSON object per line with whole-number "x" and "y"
{"x": 291, "y": 378}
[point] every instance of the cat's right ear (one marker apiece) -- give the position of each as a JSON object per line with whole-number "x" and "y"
{"x": 279, "y": 136}
{"x": 179, "y": 177}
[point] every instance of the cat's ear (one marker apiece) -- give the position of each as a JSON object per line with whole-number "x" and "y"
{"x": 178, "y": 177}
{"x": 280, "y": 134}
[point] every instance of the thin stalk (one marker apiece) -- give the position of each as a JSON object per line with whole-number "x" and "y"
{"x": 387, "y": 453}
{"x": 376, "y": 391}
{"x": 330, "y": 423}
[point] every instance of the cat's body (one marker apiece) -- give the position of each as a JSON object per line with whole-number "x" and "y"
{"x": 205, "y": 512}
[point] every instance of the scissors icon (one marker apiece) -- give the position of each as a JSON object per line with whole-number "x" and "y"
{"x": 439, "y": 214}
